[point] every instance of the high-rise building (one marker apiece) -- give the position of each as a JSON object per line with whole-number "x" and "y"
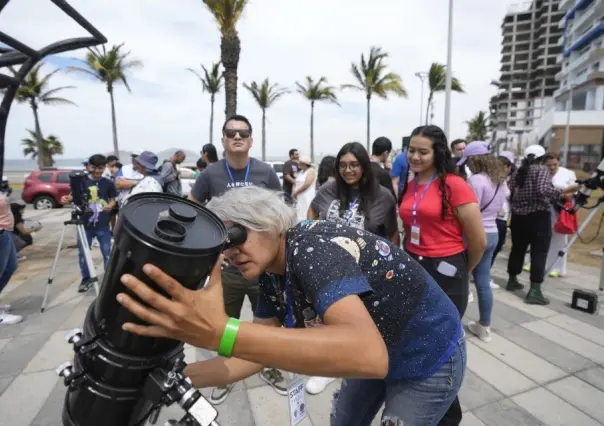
{"x": 577, "y": 107}
{"x": 530, "y": 47}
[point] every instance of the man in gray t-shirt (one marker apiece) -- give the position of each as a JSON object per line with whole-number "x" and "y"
{"x": 171, "y": 175}
{"x": 236, "y": 171}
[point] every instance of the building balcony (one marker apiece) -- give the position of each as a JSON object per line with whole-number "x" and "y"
{"x": 583, "y": 118}
{"x": 587, "y": 17}
{"x": 585, "y": 39}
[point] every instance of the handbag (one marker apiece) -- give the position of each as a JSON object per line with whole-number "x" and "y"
{"x": 489, "y": 203}
{"x": 567, "y": 223}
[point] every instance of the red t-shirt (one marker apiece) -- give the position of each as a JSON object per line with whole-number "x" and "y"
{"x": 438, "y": 237}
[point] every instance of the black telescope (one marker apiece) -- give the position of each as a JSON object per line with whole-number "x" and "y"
{"x": 121, "y": 379}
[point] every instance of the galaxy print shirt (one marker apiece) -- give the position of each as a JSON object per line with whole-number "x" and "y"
{"x": 327, "y": 262}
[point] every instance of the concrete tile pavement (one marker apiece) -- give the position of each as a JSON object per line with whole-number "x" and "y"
{"x": 544, "y": 366}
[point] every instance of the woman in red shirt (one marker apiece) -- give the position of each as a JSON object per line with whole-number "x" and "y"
{"x": 438, "y": 210}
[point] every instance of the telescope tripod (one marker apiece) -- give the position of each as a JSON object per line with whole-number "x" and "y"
{"x": 78, "y": 221}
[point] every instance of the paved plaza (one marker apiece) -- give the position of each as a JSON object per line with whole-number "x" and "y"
{"x": 544, "y": 366}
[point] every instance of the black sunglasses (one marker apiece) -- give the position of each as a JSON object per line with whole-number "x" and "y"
{"x": 230, "y": 133}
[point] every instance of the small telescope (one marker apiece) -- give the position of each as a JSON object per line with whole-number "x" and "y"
{"x": 122, "y": 379}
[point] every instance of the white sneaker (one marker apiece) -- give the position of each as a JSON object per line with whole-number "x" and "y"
{"x": 481, "y": 331}
{"x": 10, "y": 319}
{"x": 493, "y": 285}
{"x": 4, "y": 307}
{"x": 470, "y": 297}
{"x": 316, "y": 385}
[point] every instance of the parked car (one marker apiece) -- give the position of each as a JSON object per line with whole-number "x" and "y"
{"x": 44, "y": 188}
{"x": 278, "y": 166}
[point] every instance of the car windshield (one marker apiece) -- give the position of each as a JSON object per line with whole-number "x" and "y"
{"x": 278, "y": 167}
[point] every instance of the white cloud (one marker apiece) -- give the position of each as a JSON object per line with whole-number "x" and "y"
{"x": 284, "y": 40}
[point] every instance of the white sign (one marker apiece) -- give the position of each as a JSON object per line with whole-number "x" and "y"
{"x": 297, "y": 402}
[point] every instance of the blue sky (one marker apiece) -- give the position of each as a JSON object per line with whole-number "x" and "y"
{"x": 285, "y": 41}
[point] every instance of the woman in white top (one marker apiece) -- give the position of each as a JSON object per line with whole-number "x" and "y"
{"x": 507, "y": 160}
{"x": 305, "y": 187}
{"x": 562, "y": 178}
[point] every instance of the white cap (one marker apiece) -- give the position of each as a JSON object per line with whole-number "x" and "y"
{"x": 534, "y": 150}
{"x": 136, "y": 152}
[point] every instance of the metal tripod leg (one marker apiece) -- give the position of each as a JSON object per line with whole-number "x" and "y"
{"x": 53, "y": 270}
{"x": 88, "y": 256}
{"x": 562, "y": 252}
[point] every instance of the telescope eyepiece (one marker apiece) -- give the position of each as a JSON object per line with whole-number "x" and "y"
{"x": 237, "y": 235}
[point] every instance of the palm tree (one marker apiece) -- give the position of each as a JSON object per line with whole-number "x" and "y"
{"x": 34, "y": 90}
{"x": 316, "y": 91}
{"x": 437, "y": 82}
{"x": 372, "y": 78}
{"x": 44, "y": 151}
{"x": 211, "y": 82}
{"x": 109, "y": 67}
{"x": 478, "y": 127}
{"x": 227, "y": 13}
{"x": 265, "y": 95}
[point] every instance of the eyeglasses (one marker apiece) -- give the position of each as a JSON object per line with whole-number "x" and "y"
{"x": 230, "y": 133}
{"x": 353, "y": 166}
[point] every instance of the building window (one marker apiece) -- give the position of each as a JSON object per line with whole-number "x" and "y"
{"x": 584, "y": 157}
{"x": 579, "y": 101}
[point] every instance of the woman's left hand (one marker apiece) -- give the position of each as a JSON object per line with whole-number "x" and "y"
{"x": 196, "y": 317}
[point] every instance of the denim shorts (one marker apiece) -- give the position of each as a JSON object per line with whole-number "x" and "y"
{"x": 407, "y": 402}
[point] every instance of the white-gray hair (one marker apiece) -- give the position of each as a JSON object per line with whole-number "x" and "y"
{"x": 255, "y": 208}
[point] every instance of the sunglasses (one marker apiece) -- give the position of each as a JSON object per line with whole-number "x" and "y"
{"x": 230, "y": 133}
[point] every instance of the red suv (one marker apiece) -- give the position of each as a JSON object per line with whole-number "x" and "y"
{"x": 44, "y": 188}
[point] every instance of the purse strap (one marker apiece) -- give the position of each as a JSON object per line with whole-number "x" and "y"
{"x": 489, "y": 203}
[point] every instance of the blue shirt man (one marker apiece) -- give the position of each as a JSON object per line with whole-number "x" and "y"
{"x": 400, "y": 169}
{"x": 101, "y": 201}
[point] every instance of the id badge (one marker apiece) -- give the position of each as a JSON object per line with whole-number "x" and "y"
{"x": 296, "y": 399}
{"x": 415, "y": 235}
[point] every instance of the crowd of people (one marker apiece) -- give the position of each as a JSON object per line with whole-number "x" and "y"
{"x": 373, "y": 255}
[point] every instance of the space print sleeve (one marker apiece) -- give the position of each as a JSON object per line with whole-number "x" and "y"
{"x": 327, "y": 270}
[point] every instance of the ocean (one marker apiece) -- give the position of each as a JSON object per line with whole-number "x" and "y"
{"x": 26, "y": 165}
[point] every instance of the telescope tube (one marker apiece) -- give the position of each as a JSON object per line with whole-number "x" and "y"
{"x": 108, "y": 383}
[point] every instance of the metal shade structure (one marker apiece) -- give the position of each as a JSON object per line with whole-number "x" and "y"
{"x": 19, "y": 54}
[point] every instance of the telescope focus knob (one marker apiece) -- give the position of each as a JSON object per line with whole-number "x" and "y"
{"x": 64, "y": 370}
{"x": 73, "y": 336}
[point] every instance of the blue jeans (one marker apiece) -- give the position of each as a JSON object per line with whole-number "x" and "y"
{"x": 103, "y": 235}
{"x": 482, "y": 279}
{"x": 408, "y": 402}
{"x": 8, "y": 258}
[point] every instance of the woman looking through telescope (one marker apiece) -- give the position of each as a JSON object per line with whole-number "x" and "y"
{"x": 388, "y": 328}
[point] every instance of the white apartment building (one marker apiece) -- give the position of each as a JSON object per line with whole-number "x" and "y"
{"x": 530, "y": 34}
{"x": 581, "y": 86}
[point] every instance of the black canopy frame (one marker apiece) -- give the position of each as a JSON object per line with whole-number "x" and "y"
{"x": 19, "y": 54}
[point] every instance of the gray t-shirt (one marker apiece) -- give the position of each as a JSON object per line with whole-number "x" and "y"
{"x": 380, "y": 218}
{"x": 171, "y": 178}
{"x": 215, "y": 180}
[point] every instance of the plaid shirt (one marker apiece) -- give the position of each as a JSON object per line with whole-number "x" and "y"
{"x": 537, "y": 194}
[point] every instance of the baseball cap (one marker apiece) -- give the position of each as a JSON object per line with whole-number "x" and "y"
{"x": 508, "y": 156}
{"x": 147, "y": 159}
{"x": 535, "y": 150}
{"x": 472, "y": 149}
{"x": 136, "y": 152}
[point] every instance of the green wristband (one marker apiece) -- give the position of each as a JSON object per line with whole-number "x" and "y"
{"x": 229, "y": 335}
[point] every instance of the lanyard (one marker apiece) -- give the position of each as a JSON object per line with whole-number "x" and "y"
{"x": 415, "y": 200}
{"x": 348, "y": 215}
{"x": 228, "y": 169}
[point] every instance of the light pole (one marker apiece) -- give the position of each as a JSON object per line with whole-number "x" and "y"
{"x": 567, "y": 129}
{"x": 422, "y": 76}
{"x": 449, "y": 79}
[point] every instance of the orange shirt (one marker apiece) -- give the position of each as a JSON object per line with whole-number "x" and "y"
{"x": 7, "y": 221}
{"x": 438, "y": 237}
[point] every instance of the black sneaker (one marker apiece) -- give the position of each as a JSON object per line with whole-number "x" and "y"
{"x": 275, "y": 379}
{"x": 513, "y": 284}
{"x": 85, "y": 285}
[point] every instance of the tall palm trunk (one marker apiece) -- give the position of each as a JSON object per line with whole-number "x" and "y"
{"x": 368, "y": 122}
{"x": 39, "y": 136}
{"x": 312, "y": 131}
{"x": 430, "y": 96}
{"x": 116, "y": 149}
{"x": 212, "y": 98}
{"x": 263, "y": 134}
{"x": 230, "y": 48}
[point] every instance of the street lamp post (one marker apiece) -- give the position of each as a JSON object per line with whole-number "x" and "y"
{"x": 567, "y": 129}
{"x": 449, "y": 79}
{"x": 422, "y": 76}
